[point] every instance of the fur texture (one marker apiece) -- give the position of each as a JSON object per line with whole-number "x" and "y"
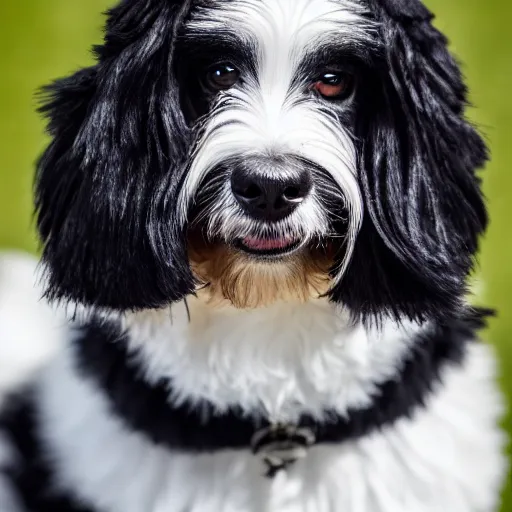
{"x": 259, "y": 213}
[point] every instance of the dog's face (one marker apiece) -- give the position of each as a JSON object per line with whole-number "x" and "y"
{"x": 263, "y": 150}
{"x": 271, "y": 191}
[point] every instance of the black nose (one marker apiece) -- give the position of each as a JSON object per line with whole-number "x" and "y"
{"x": 267, "y": 197}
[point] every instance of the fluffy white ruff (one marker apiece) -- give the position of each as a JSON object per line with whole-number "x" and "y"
{"x": 284, "y": 360}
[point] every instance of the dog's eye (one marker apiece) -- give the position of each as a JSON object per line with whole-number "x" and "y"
{"x": 222, "y": 77}
{"x": 334, "y": 85}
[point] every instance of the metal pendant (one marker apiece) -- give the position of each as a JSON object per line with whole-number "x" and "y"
{"x": 279, "y": 446}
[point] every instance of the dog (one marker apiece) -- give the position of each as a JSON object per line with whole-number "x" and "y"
{"x": 259, "y": 218}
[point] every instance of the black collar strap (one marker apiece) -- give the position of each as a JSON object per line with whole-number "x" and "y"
{"x": 102, "y": 355}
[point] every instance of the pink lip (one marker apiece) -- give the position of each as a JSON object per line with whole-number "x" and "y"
{"x": 267, "y": 244}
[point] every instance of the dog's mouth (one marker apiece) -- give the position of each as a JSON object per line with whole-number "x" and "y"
{"x": 268, "y": 247}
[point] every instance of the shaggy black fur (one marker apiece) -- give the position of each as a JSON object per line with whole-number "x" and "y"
{"x": 105, "y": 185}
{"x": 424, "y": 208}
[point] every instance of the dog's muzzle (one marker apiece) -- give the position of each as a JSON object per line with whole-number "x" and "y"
{"x": 270, "y": 206}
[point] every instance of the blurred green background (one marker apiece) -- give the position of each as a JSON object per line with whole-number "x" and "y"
{"x": 44, "y": 39}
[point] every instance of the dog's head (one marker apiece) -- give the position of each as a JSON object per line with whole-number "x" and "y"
{"x": 265, "y": 150}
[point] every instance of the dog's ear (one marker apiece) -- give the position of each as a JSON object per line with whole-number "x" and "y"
{"x": 105, "y": 185}
{"x": 424, "y": 208}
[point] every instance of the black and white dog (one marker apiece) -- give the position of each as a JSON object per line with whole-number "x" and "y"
{"x": 261, "y": 215}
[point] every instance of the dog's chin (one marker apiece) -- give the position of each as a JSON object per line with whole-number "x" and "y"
{"x": 253, "y": 272}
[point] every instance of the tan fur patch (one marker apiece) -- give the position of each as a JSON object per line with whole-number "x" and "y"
{"x": 229, "y": 275}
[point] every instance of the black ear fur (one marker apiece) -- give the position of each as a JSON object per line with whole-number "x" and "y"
{"x": 105, "y": 184}
{"x": 424, "y": 207}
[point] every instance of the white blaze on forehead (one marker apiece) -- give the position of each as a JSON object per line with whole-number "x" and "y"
{"x": 288, "y": 22}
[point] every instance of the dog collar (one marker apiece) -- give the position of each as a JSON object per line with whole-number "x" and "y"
{"x": 101, "y": 354}
{"x": 281, "y": 445}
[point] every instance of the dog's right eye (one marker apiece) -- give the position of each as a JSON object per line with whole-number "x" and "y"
{"x": 221, "y": 77}
{"x": 334, "y": 85}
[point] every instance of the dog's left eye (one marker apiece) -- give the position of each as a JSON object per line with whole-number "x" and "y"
{"x": 334, "y": 85}
{"x": 221, "y": 77}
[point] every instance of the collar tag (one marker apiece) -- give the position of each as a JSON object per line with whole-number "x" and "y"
{"x": 280, "y": 446}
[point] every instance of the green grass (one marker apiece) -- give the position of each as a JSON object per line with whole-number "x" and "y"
{"x": 43, "y": 39}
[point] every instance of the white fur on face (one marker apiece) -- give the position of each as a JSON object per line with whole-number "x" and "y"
{"x": 274, "y": 113}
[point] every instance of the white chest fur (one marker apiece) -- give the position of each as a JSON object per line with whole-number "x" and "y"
{"x": 286, "y": 360}
{"x": 447, "y": 457}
